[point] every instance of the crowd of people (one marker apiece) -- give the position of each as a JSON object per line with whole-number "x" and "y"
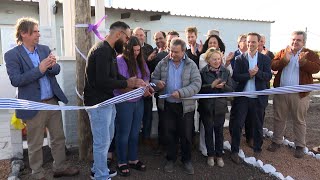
{"x": 178, "y": 69}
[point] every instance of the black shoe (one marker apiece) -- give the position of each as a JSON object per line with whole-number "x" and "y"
{"x": 188, "y": 168}
{"x": 112, "y": 173}
{"x": 235, "y": 158}
{"x": 92, "y": 175}
{"x": 70, "y": 171}
{"x": 257, "y": 155}
{"x": 157, "y": 152}
{"x": 169, "y": 167}
{"x": 273, "y": 147}
{"x": 299, "y": 152}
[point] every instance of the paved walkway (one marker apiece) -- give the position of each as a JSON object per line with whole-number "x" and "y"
{"x": 5, "y": 137}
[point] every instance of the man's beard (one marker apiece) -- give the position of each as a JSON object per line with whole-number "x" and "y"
{"x": 118, "y": 46}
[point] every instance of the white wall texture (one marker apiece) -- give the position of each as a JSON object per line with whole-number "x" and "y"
{"x": 229, "y": 31}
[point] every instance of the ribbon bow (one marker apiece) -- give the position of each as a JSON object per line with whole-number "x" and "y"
{"x": 94, "y": 28}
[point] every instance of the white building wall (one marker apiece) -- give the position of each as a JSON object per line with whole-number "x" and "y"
{"x": 229, "y": 30}
{"x": 11, "y": 11}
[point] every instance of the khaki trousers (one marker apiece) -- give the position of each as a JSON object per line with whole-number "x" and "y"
{"x": 35, "y": 134}
{"x": 285, "y": 105}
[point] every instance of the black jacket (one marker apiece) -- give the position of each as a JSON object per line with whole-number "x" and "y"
{"x": 101, "y": 76}
{"x": 147, "y": 49}
{"x": 241, "y": 74}
{"x": 195, "y": 58}
{"x": 154, "y": 62}
{"x": 219, "y": 105}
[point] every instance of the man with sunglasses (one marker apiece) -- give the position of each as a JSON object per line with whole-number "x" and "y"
{"x": 101, "y": 78}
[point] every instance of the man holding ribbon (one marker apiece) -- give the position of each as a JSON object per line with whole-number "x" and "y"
{"x": 295, "y": 66}
{"x": 101, "y": 78}
{"x": 32, "y": 69}
{"x": 177, "y": 76}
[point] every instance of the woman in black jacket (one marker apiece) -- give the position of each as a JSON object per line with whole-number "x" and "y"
{"x": 215, "y": 79}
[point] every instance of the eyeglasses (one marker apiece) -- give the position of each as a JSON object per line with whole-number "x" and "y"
{"x": 127, "y": 37}
{"x": 214, "y": 49}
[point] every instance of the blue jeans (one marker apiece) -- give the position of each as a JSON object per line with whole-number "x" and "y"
{"x": 128, "y": 124}
{"x": 102, "y": 127}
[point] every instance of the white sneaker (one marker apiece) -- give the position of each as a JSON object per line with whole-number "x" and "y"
{"x": 220, "y": 162}
{"x": 210, "y": 161}
{"x": 112, "y": 173}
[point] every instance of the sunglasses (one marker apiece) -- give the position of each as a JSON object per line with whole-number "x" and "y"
{"x": 127, "y": 37}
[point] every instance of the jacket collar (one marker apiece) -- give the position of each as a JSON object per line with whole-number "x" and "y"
{"x": 206, "y": 68}
{"x": 25, "y": 56}
{"x": 245, "y": 55}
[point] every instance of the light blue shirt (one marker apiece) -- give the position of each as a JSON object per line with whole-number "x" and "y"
{"x": 174, "y": 80}
{"x": 290, "y": 73}
{"x": 45, "y": 86}
{"x": 251, "y": 84}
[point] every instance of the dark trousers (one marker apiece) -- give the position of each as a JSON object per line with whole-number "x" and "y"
{"x": 248, "y": 127}
{"x": 243, "y": 107}
{"x": 232, "y": 117}
{"x": 178, "y": 126}
{"x": 214, "y": 123}
{"x": 160, "y": 121}
{"x": 112, "y": 145}
{"x": 147, "y": 117}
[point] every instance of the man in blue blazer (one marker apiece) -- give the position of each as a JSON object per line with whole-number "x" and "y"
{"x": 252, "y": 72}
{"x": 32, "y": 69}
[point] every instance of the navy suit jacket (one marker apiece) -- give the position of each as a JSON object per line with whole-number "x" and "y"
{"x": 241, "y": 74}
{"x": 236, "y": 53}
{"x": 25, "y": 77}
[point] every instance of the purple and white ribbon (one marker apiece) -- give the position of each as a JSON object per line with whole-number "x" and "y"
{"x": 12, "y": 103}
{"x": 93, "y": 27}
{"x": 278, "y": 90}
{"x": 81, "y": 54}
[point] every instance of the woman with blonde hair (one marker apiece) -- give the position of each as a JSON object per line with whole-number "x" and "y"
{"x": 215, "y": 79}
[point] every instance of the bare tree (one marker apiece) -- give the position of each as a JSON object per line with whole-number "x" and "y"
{"x": 83, "y": 42}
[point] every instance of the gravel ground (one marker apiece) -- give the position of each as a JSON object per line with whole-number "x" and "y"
{"x": 5, "y": 169}
{"x": 283, "y": 160}
{"x": 154, "y": 168}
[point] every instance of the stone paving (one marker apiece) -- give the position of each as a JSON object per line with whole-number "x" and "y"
{"x": 5, "y": 137}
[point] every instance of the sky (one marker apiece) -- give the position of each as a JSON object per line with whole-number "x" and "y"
{"x": 289, "y": 15}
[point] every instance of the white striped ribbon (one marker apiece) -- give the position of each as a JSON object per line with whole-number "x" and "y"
{"x": 81, "y": 54}
{"x": 12, "y": 103}
{"x": 278, "y": 90}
